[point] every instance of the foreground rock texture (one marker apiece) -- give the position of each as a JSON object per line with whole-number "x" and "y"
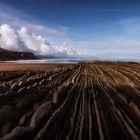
{"x": 87, "y": 101}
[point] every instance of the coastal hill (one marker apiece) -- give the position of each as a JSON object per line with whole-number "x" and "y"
{"x": 14, "y": 55}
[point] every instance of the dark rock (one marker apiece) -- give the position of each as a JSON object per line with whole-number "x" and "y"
{"x": 19, "y": 133}
{"x": 10, "y": 92}
{"x": 6, "y": 114}
{"x": 14, "y": 86}
{"x": 7, "y": 128}
{"x": 22, "y": 90}
{"x": 41, "y": 113}
{"x": 3, "y": 90}
{"x": 24, "y": 119}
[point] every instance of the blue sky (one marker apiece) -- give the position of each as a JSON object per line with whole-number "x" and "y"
{"x": 103, "y": 29}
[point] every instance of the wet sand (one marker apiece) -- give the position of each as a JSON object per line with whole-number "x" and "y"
{"x": 30, "y": 66}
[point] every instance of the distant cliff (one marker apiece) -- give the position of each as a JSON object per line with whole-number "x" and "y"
{"x": 13, "y": 55}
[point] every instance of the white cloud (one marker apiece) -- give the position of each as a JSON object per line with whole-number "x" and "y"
{"x": 9, "y": 38}
{"x": 25, "y": 40}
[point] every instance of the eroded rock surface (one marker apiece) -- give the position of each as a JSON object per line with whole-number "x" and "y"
{"x": 87, "y": 101}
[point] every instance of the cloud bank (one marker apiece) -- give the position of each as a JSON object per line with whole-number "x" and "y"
{"x": 118, "y": 40}
{"x": 24, "y": 40}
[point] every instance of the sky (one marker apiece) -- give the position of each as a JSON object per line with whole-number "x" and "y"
{"x": 96, "y": 29}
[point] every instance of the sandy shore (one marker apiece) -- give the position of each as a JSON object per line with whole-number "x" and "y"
{"x": 23, "y": 66}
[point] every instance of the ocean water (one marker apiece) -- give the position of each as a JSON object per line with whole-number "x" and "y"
{"x": 49, "y": 61}
{"x": 69, "y": 60}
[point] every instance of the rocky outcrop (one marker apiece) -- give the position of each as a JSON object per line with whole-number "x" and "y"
{"x": 86, "y": 101}
{"x": 19, "y": 133}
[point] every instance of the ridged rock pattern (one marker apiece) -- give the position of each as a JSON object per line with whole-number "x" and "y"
{"x": 86, "y": 101}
